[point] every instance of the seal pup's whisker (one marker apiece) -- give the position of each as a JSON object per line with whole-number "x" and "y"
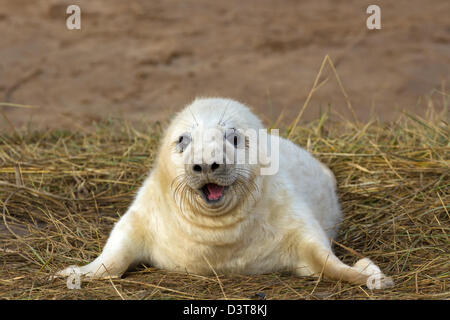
{"x": 230, "y": 116}
{"x": 221, "y": 117}
{"x": 193, "y": 115}
{"x": 188, "y": 123}
{"x": 223, "y": 123}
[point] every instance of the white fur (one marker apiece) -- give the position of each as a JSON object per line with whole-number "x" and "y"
{"x": 288, "y": 226}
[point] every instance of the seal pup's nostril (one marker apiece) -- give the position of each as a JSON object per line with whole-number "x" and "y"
{"x": 214, "y": 166}
{"x": 197, "y": 168}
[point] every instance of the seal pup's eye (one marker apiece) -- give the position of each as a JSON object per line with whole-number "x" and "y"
{"x": 183, "y": 142}
{"x": 233, "y": 136}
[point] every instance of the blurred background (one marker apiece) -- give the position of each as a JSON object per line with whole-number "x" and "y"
{"x": 145, "y": 59}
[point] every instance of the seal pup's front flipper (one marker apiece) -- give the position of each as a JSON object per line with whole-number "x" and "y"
{"x": 123, "y": 248}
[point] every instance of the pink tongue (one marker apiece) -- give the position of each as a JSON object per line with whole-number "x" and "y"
{"x": 214, "y": 191}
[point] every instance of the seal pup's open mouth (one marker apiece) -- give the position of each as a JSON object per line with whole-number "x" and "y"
{"x": 212, "y": 192}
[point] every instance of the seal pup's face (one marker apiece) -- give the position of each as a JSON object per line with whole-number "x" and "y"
{"x": 206, "y": 141}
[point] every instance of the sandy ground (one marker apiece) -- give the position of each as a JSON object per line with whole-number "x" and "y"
{"x": 146, "y": 59}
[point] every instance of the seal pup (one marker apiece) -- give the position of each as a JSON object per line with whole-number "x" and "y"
{"x": 197, "y": 214}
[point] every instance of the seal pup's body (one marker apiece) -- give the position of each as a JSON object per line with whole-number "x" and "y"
{"x": 197, "y": 219}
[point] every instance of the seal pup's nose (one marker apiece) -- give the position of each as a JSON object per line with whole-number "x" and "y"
{"x": 205, "y": 168}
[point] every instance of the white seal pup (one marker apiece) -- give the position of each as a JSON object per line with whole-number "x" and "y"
{"x": 198, "y": 214}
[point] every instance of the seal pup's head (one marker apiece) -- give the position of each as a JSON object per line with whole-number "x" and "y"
{"x": 200, "y": 154}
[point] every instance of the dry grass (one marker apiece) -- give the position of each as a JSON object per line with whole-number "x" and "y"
{"x": 61, "y": 192}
